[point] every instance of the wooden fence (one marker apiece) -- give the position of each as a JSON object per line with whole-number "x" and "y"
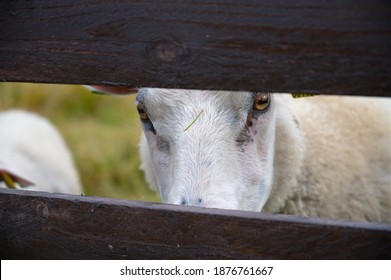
{"x": 331, "y": 47}
{"x": 41, "y": 225}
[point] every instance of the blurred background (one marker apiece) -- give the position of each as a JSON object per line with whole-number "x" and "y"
{"x": 102, "y": 132}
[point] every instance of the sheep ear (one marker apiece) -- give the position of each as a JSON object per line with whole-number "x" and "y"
{"x": 119, "y": 90}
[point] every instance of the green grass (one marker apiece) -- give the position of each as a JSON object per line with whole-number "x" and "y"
{"x": 101, "y": 131}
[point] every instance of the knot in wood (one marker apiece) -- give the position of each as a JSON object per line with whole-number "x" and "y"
{"x": 166, "y": 50}
{"x": 42, "y": 211}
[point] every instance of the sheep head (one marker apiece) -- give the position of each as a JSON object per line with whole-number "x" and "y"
{"x": 208, "y": 148}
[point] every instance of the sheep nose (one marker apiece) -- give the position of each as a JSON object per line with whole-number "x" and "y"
{"x": 192, "y": 202}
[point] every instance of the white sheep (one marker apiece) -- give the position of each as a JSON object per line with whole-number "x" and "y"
{"x": 33, "y": 153}
{"x": 320, "y": 156}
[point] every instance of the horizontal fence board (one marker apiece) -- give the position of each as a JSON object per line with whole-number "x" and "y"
{"x": 332, "y": 47}
{"x": 35, "y": 225}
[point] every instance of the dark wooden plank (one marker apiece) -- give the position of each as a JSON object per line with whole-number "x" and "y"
{"x": 51, "y": 226}
{"x": 334, "y": 47}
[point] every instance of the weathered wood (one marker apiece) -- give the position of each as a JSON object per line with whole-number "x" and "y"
{"x": 37, "y": 225}
{"x": 335, "y": 47}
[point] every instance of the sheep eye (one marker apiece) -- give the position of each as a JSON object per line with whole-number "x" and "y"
{"x": 142, "y": 112}
{"x": 261, "y": 101}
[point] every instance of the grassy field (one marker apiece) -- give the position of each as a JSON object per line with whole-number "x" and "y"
{"x": 101, "y": 131}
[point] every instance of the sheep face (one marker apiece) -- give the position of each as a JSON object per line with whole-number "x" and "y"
{"x": 207, "y": 148}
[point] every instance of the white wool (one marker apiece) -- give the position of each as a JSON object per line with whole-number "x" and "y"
{"x": 32, "y": 148}
{"x": 318, "y": 156}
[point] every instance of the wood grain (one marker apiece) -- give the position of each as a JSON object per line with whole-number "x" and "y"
{"x": 36, "y": 225}
{"x": 333, "y": 47}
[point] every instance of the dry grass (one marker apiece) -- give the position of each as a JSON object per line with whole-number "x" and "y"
{"x": 101, "y": 131}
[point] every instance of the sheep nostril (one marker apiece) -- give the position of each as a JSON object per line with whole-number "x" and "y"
{"x": 196, "y": 202}
{"x": 184, "y": 201}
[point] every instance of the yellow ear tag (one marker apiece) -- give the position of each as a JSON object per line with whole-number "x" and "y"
{"x": 9, "y": 182}
{"x": 301, "y": 95}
